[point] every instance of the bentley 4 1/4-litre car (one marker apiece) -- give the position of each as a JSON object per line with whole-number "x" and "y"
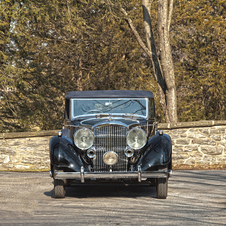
{"x": 110, "y": 136}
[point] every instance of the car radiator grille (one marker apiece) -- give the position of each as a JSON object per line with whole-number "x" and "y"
{"x": 110, "y": 138}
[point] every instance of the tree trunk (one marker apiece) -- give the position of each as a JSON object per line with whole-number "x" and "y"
{"x": 165, "y": 73}
{"x": 164, "y": 19}
{"x": 163, "y": 69}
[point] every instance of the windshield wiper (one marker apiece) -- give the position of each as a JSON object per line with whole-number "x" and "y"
{"x": 101, "y": 115}
{"x": 127, "y": 115}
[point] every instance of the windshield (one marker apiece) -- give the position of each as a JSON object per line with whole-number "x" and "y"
{"x": 135, "y": 106}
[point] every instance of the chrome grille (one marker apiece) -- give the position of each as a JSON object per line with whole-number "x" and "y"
{"x": 110, "y": 138}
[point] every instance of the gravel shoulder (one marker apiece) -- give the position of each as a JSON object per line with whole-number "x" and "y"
{"x": 194, "y": 198}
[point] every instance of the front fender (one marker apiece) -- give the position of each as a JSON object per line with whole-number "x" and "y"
{"x": 158, "y": 152}
{"x": 63, "y": 154}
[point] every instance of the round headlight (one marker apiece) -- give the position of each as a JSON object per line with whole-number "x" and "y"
{"x": 110, "y": 158}
{"x": 83, "y": 138}
{"x": 136, "y": 138}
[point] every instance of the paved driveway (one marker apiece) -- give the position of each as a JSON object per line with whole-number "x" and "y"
{"x": 195, "y": 198}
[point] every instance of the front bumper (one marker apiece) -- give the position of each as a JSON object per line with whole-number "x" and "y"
{"x": 112, "y": 175}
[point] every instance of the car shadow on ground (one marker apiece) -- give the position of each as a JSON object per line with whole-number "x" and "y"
{"x": 108, "y": 190}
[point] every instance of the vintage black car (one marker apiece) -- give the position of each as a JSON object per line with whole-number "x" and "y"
{"x": 110, "y": 136}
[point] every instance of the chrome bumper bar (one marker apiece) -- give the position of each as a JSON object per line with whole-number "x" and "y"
{"x": 111, "y": 175}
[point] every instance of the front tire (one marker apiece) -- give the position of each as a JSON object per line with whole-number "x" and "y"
{"x": 162, "y": 188}
{"x": 59, "y": 188}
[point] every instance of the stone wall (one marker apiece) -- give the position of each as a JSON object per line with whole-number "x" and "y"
{"x": 25, "y": 151}
{"x": 201, "y": 143}
{"x": 194, "y": 143}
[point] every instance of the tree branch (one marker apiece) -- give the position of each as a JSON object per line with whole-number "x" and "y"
{"x": 130, "y": 22}
{"x": 170, "y": 14}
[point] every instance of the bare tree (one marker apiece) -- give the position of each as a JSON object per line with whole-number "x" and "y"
{"x": 163, "y": 68}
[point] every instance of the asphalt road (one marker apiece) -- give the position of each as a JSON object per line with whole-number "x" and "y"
{"x": 194, "y": 198}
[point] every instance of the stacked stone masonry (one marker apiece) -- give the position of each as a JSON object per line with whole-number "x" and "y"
{"x": 25, "y": 151}
{"x": 194, "y": 143}
{"x": 198, "y": 143}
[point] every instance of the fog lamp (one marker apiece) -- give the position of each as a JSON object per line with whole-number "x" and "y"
{"x": 91, "y": 153}
{"x": 110, "y": 158}
{"x": 129, "y": 152}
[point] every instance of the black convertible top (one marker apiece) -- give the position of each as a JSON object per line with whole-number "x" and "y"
{"x": 110, "y": 93}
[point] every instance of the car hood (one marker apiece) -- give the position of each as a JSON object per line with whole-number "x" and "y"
{"x": 127, "y": 122}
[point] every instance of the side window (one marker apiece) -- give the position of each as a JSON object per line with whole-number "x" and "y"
{"x": 66, "y": 110}
{"x": 151, "y": 108}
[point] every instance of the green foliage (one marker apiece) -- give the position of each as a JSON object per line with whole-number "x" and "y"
{"x": 48, "y": 48}
{"x": 59, "y": 46}
{"x": 199, "y": 45}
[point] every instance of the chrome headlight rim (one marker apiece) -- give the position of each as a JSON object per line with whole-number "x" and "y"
{"x": 145, "y": 135}
{"x": 91, "y": 132}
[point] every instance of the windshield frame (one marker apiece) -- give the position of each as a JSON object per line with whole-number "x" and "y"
{"x": 110, "y": 114}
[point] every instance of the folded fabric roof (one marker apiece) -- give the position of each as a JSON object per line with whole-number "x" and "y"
{"x": 110, "y": 93}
